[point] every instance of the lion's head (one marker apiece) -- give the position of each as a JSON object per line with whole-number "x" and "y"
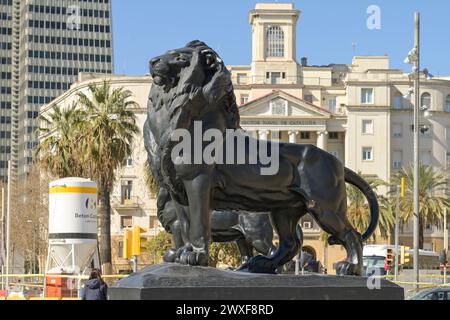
{"x": 195, "y": 70}
{"x": 196, "y": 59}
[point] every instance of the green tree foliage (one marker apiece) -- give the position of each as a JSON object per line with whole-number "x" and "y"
{"x": 358, "y": 211}
{"x": 150, "y": 181}
{"x": 432, "y": 197}
{"x": 224, "y": 254}
{"x": 60, "y": 153}
{"x": 91, "y": 139}
{"x": 158, "y": 246}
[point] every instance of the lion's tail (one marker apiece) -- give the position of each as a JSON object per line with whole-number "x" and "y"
{"x": 355, "y": 180}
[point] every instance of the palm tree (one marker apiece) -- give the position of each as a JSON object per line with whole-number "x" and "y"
{"x": 432, "y": 198}
{"x": 359, "y": 211}
{"x": 59, "y": 153}
{"x": 111, "y": 127}
{"x": 150, "y": 181}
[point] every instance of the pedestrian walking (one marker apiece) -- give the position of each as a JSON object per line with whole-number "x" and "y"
{"x": 95, "y": 288}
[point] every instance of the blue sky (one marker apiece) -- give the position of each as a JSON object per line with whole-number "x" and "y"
{"x": 326, "y": 31}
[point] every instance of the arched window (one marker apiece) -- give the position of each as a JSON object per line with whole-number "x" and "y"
{"x": 275, "y": 42}
{"x": 426, "y": 101}
{"x": 447, "y": 104}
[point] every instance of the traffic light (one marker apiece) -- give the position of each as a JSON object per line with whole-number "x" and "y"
{"x": 403, "y": 187}
{"x": 405, "y": 257}
{"x": 127, "y": 244}
{"x": 390, "y": 258}
{"x": 137, "y": 241}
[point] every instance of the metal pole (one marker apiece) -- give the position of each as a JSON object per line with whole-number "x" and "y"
{"x": 397, "y": 235}
{"x": 8, "y": 228}
{"x": 2, "y": 239}
{"x": 3, "y": 283}
{"x": 34, "y": 251}
{"x": 135, "y": 264}
{"x": 416, "y": 151}
{"x": 297, "y": 265}
{"x": 445, "y": 243}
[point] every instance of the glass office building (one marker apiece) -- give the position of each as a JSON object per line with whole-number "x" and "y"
{"x": 44, "y": 45}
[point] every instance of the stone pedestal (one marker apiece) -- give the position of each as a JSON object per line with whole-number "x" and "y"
{"x": 176, "y": 282}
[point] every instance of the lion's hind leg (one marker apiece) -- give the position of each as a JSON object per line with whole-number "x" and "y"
{"x": 285, "y": 222}
{"x": 342, "y": 233}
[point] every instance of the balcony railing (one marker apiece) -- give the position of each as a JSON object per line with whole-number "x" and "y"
{"x": 127, "y": 203}
{"x": 311, "y": 81}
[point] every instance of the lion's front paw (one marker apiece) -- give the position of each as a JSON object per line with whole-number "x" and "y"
{"x": 345, "y": 268}
{"x": 187, "y": 248}
{"x": 170, "y": 256}
{"x": 194, "y": 258}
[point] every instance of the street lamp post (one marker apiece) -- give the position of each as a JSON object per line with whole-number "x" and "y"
{"x": 414, "y": 59}
{"x": 397, "y": 235}
{"x": 8, "y": 229}
{"x": 445, "y": 243}
{"x": 416, "y": 149}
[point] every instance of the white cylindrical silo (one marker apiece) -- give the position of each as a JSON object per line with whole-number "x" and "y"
{"x": 73, "y": 222}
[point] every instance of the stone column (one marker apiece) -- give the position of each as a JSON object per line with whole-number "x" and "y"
{"x": 322, "y": 140}
{"x": 293, "y": 136}
{"x": 263, "y": 135}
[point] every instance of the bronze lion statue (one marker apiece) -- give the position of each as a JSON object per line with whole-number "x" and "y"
{"x": 191, "y": 85}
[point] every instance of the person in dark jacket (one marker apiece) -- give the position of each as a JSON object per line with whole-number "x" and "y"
{"x": 95, "y": 288}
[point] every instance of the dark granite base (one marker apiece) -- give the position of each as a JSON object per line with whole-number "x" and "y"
{"x": 176, "y": 282}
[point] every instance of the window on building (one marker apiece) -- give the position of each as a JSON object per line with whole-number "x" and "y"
{"x": 275, "y": 136}
{"x": 367, "y": 154}
{"x": 397, "y": 130}
{"x": 275, "y": 78}
{"x": 425, "y": 158}
{"x": 333, "y": 135}
{"x": 244, "y": 99}
{"x": 154, "y": 222}
{"x": 275, "y": 42}
{"x": 398, "y": 102}
{"x": 305, "y": 135}
{"x": 426, "y": 101}
{"x": 126, "y": 222}
{"x": 366, "y": 96}
{"x": 120, "y": 248}
{"x": 242, "y": 78}
{"x": 448, "y": 161}
{"x": 448, "y": 133}
{"x": 397, "y": 158}
{"x": 129, "y": 162}
{"x": 367, "y": 127}
{"x": 309, "y": 98}
{"x": 127, "y": 190}
{"x": 332, "y": 105}
{"x": 335, "y": 154}
{"x": 448, "y": 190}
{"x": 447, "y": 104}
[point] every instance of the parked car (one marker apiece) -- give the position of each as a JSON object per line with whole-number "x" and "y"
{"x": 436, "y": 294}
